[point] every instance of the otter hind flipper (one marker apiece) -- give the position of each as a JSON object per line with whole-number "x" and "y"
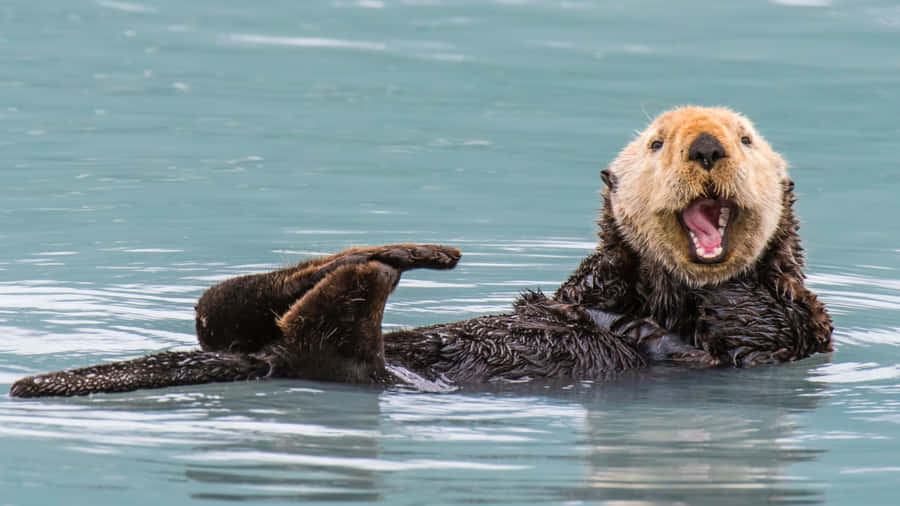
{"x": 161, "y": 370}
{"x": 333, "y": 333}
{"x": 239, "y": 314}
{"x": 416, "y": 256}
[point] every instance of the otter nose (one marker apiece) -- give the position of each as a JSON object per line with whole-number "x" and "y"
{"x": 706, "y": 149}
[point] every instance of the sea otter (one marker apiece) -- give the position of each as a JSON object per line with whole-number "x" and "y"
{"x": 698, "y": 262}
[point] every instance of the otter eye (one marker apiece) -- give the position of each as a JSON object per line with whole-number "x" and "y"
{"x": 745, "y": 140}
{"x": 655, "y": 145}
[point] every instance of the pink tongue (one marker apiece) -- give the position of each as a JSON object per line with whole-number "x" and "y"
{"x": 702, "y": 218}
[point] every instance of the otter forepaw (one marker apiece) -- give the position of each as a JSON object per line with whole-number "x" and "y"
{"x": 694, "y": 358}
{"x": 757, "y": 358}
{"x": 573, "y": 312}
{"x": 670, "y": 347}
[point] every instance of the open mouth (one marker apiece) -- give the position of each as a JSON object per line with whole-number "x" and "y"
{"x": 706, "y": 220}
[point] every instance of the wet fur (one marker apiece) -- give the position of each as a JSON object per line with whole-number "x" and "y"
{"x": 620, "y": 310}
{"x": 763, "y": 315}
{"x": 651, "y": 187}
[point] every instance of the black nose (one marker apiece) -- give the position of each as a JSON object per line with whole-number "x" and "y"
{"x": 706, "y": 149}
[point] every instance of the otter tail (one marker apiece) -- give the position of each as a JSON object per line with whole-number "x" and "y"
{"x": 152, "y": 371}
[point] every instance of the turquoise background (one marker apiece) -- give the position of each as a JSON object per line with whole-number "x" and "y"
{"x": 151, "y": 149}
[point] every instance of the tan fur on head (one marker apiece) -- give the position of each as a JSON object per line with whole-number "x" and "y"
{"x": 651, "y": 188}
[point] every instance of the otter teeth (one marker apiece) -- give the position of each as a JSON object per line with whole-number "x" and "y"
{"x": 723, "y": 217}
{"x": 715, "y": 253}
{"x": 701, "y": 252}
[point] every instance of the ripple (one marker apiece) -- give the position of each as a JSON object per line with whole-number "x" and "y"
{"x": 305, "y": 253}
{"x": 548, "y": 244}
{"x": 454, "y": 306}
{"x": 424, "y": 283}
{"x": 501, "y": 264}
{"x": 305, "y": 42}
{"x": 442, "y": 22}
{"x": 846, "y": 293}
{"x": 326, "y": 232}
{"x": 126, "y": 7}
{"x": 48, "y": 318}
{"x": 96, "y": 339}
{"x": 803, "y": 3}
{"x": 832, "y": 435}
{"x": 870, "y": 470}
{"x": 426, "y": 408}
{"x": 344, "y": 462}
{"x": 858, "y": 336}
{"x": 146, "y": 428}
{"x": 886, "y": 16}
{"x": 80, "y": 302}
{"x": 364, "y": 4}
{"x": 8, "y": 378}
{"x": 148, "y": 250}
{"x": 855, "y": 372}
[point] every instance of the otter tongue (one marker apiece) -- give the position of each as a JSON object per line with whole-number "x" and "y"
{"x": 702, "y": 218}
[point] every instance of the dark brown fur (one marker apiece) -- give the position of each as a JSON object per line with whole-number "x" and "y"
{"x": 761, "y": 316}
{"x": 241, "y": 314}
{"x": 322, "y": 320}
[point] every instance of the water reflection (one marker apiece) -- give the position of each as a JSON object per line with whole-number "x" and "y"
{"x": 703, "y": 437}
{"x": 656, "y": 437}
{"x": 243, "y": 441}
{"x": 313, "y": 447}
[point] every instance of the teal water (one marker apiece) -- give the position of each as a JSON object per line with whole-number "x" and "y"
{"x": 152, "y": 148}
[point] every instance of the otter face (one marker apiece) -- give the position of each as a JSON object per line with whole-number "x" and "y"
{"x": 700, "y": 192}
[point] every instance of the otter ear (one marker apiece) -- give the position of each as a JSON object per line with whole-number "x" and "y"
{"x": 787, "y": 184}
{"x": 609, "y": 178}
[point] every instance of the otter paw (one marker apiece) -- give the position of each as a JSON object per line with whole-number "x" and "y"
{"x": 417, "y": 256}
{"x": 694, "y": 358}
{"x": 402, "y": 257}
{"x": 399, "y": 256}
{"x": 571, "y": 312}
{"x": 758, "y": 358}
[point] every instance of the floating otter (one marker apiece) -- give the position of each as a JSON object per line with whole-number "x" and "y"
{"x": 698, "y": 262}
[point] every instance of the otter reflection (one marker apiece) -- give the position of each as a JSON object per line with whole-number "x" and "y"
{"x": 704, "y": 438}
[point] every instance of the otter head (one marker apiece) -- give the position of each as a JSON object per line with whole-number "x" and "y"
{"x": 698, "y": 192}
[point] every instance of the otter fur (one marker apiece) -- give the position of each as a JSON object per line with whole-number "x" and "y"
{"x": 698, "y": 262}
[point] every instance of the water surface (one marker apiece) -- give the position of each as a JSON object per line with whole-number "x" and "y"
{"x": 153, "y": 148}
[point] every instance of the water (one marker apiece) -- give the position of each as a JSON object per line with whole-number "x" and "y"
{"x": 151, "y": 149}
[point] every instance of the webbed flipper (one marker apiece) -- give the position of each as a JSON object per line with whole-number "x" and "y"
{"x": 240, "y": 314}
{"x": 333, "y": 333}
